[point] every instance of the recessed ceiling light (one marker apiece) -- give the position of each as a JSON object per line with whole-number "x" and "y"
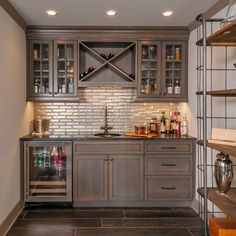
{"x": 111, "y": 12}
{"x": 51, "y": 12}
{"x": 167, "y": 13}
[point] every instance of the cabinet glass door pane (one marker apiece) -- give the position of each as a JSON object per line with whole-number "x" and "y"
{"x": 47, "y": 171}
{"x": 173, "y": 73}
{"x": 65, "y": 69}
{"x": 149, "y": 69}
{"x": 40, "y": 68}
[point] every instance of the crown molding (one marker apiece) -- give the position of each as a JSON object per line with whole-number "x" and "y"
{"x": 6, "y": 5}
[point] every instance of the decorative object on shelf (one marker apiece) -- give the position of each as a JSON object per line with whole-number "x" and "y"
{"x": 223, "y": 172}
{"x": 177, "y": 54}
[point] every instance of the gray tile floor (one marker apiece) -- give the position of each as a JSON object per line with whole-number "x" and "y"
{"x": 68, "y": 221}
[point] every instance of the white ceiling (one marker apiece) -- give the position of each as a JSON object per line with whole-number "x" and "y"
{"x": 92, "y": 12}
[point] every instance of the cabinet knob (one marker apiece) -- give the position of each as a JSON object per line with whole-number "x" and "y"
{"x": 106, "y": 159}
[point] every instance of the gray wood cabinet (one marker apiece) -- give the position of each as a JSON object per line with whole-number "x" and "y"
{"x": 125, "y": 177}
{"x": 52, "y": 70}
{"x": 169, "y": 170}
{"x": 151, "y": 58}
{"x": 162, "y": 71}
{"x": 108, "y": 171}
{"x": 90, "y": 174}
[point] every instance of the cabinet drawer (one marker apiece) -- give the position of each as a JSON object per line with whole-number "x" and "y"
{"x": 174, "y": 188}
{"x": 168, "y": 147}
{"x": 168, "y": 164}
{"x": 108, "y": 147}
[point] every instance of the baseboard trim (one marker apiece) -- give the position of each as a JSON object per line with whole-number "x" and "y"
{"x": 10, "y": 219}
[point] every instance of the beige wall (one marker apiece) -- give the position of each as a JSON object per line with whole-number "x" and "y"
{"x": 15, "y": 113}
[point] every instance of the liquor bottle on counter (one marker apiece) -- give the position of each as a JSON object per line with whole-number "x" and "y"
{"x": 172, "y": 123}
{"x": 184, "y": 126}
{"x": 177, "y": 124}
{"x": 162, "y": 124}
{"x": 154, "y": 126}
{"x": 167, "y": 125}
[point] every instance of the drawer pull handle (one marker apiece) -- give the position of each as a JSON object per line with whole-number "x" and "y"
{"x": 106, "y": 159}
{"x": 168, "y": 148}
{"x": 168, "y": 188}
{"x": 168, "y": 164}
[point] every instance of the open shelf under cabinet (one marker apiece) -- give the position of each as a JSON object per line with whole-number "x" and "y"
{"x": 220, "y": 93}
{"x": 225, "y": 202}
{"x": 221, "y": 146}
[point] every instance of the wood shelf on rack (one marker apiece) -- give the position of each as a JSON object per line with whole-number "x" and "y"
{"x": 220, "y": 93}
{"x": 226, "y": 202}
{"x": 226, "y": 36}
{"x": 222, "y": 146}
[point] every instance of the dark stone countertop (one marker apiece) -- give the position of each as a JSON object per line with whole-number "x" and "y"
{"x": 91, "y": 137}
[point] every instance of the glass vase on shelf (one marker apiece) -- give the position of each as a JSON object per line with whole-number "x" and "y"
{"x": 230, "y": 13}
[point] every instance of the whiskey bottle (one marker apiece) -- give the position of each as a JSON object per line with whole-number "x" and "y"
{"x": 177, "y": 89}
{"x": 36, "y": 86}
{"x": 70, "y": 86}
{"x": 63, "y": 88}
{"x": 169, "y": 87}
{"x": 162, "y": 124}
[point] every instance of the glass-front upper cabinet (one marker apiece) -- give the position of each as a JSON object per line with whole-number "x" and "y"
{"x": 149, "y": 69}
{"x": 162, "y": 71}
{"x": 174, "y": 72}
{"x": 40, "y": 69}
{"x": 65, "y": 68}
{"x": 52, "y": 70}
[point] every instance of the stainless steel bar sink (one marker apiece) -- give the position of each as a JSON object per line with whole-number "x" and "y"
{"x": 107, "y": 135}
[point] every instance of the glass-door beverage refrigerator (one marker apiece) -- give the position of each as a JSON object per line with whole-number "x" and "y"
{"x": 48, "y": 171}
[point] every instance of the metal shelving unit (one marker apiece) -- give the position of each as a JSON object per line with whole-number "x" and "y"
{"x": 210, "y": 38}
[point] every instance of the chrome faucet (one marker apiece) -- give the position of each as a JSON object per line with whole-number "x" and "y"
{"x": 106, "y": 127}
